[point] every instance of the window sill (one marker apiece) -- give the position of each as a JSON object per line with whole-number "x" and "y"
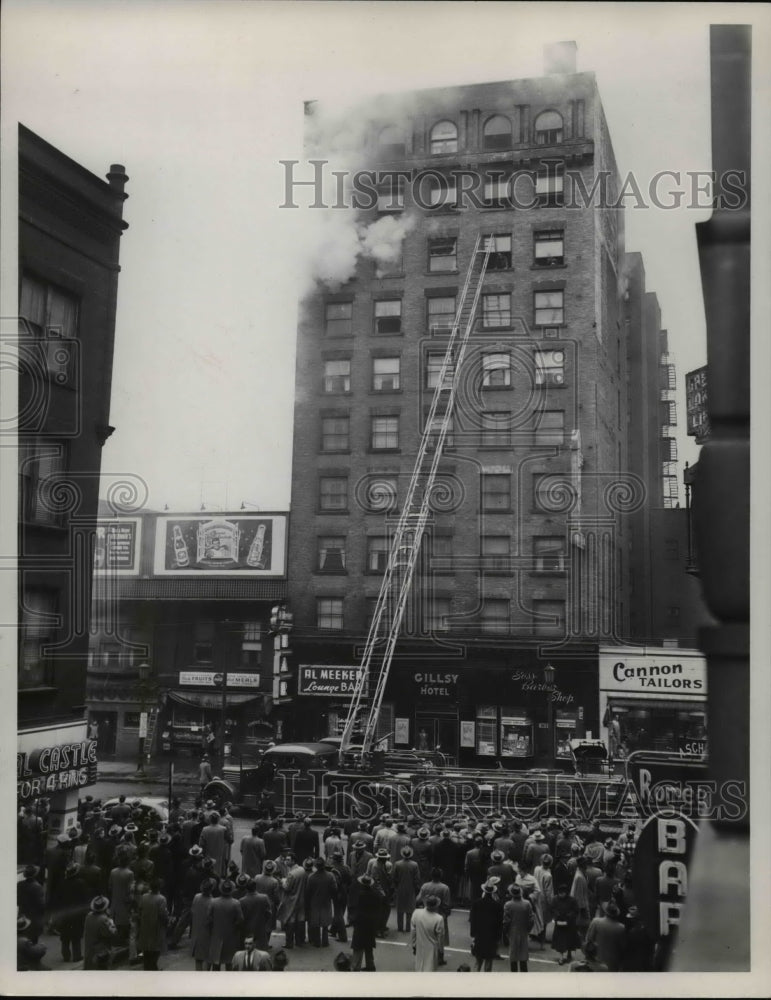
{"x": 334, "y": 451}
{"x": 548, "y": 267}
{"x": 39, "y": 689}
{"x": 330, "y": 572}
{"x": 496, "y": 388}
{"x": 385, "y": 392}
{"x": 501, "y": 510}
{"x": 336, "y": 392}
{"x": 435, "y": 274}
{"x": 559, "y": 573}
{"x": 394, "y": 333}
{"x": 337, "y": 510}
{"x": 384, "y": 451}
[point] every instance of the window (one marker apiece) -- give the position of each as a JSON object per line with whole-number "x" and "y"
{"x": 496, "y": 491}
{"x": 384, "y": 433}
{"x": 500, "y": 252}
{"x": 333, "y": 493}
{"x": 549, "y": 554}
{"x": 434, "y": 364}
{"x": 385, "y": 374}
{"x": 442, "y": 192}
{"x": 110, "y": 655}
{"x": 441, "y": 315}
{"x": 496, "y": 311}
{"x": 391, "y": 142}
{"x": 496, "y": 133}
{"x": 549, "y": 427}
{"x": 673, "y": 612}
{"x": 388, "y": 316}
{"x": 496, "y": 371}
{"x": 337, "y": 376}
{"x": 51, "y": 315}
{"x": 549, "y": 617}
{"x": 549, "y": 184}
{"x": 381, "y": 493}
{"x": 549, "y": 308}
{"x": 335, "y": 434}
{"x": 203, "y": 642}
{"x": 496, "y": 552}
{"x": 378, "y": 548}
{"x": 38, "y": 622}
{"x": 549, "y": 247}
{"x": 41, "y": 469}
{"x": 516, "y": 733}
{"x": 331, "y": 552}
{"x": 549, "y": 368}
{"x": 441, "y": 553}
{"x": 443, "y": 254}
{"x": 486, "y": 731}
{"x": 498, "y": 190}
{"x": 338, "y": 317}
{"x": 496, "y": 429}
{"x": 437, "y": 615}
{"x": 329, "y": 613}
{"x": 444, "y": 137}
{"x": 390, "y": 195}
{"x": 495, "y": 617}
{"x": 548, "y": 128}
{"x": 449, "y": 439}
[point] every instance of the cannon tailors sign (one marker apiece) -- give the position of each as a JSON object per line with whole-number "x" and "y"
{"x": 327, "y": 680}
{"x": 674, "y": 672}
{"x": 52, "y": 769}
{"x": 226, "y": 545}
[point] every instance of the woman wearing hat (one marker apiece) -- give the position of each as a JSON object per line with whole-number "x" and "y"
{"x": 406, "y": 888}
{"x": 226, "y": 922}
{"x": 200, "y": 925}
{"x": 517, "y": 924}
{"x": 99, "y": 935}
{"x": 485, "y": 926}
{"x": 565, "y": 912}
{"x": 427, "y": 936}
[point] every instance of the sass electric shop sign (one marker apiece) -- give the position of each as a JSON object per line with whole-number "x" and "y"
{"x": 56, "y": 769}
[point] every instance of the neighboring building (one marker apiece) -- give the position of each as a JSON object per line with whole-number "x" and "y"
{"x": 70, "y": 225}
{"x": 526, "y": 559}
{"x": 678, "y": 610}
{"x": 190, "y": 597}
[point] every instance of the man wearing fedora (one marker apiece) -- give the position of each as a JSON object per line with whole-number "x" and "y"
{"x": 152, "y": 921}
{"x": 30, "y": 900}
{"x": 291, "y": 911}
{"x": 609, "y": 935}
{"x": 200, "y": 925}
{"x": 422, "y": 852}
{"x": 190, "y": 885}
{"x": 485, "y": 926}
{"x": 121, "y": 888}
{"x": 406, "y": 888}
{"x": 226, "y": 923}
{"x": 368, "y": 910}
{"x": 427, "y": 936}
{"x": 343, "y": 877}
{"x": 380, "y": 870}
{"x": 214, "y": 843}
{"x": 320, "y": 890}
{"x": 99, "y": 935}
{"x": 517, "y": 924}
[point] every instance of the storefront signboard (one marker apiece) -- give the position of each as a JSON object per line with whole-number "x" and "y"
{"x": 531, "y": 680}
{"x": 117, "y": 546}
{"x": 435, "y": 684}
{"x": 51, "y": 769}
{"x": 680, "y": 672}
{"x": 327, "y": 680}
{"x": 210, "y": 678}
{"x": 228, "y": 545}
{"x": 467, "y": 734}
{"x": 402, "y": 731}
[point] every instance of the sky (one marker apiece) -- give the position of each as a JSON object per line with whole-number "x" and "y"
{"x": 200, "y": 102}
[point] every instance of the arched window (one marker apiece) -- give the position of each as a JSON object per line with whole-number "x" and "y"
{"x": 444, "y": 137}
{"x": 497, "y": 133}
{"x": 391, "y": 141}
{"x": 548, "y": 128}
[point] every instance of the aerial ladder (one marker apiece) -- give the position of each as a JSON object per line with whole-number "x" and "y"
{"x": 405, "y": 546}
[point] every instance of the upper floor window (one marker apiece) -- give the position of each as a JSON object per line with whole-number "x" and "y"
{"x": 549, "y": 367}
{"x": 496, "y": 615}
{"x": 203, "y": 642}
{"x": 385, "y": 374}
{"x": 549, "y": 554}
{"x": 495, "y": 551}
{"x": 548, "y": 128}
{"x": 441, "y": 315}
{"x": 438, "y": 614}
{"x": 384, "y": 433}
{"x": 496, "y": 371}
{"x": 38, "y": 622}
{"x": 496, "y": 491}
{"x": 434, "y": 363}
{"x": 51, "y": 315}
{"x": 331, "y": 553}
{"x": 444, "y": 137}
{"x": 391, "y": 142}
{"x": 443, "y": 254}
{"x": 390, "y": 195}
{"x": 549, "y": 617}
{"x": 333, "y": 493}
{"x": 338, "y": 319}
{"x": 549, "y": 247}
{"x": 549, "y": 427}
{"x": 337, "y": 376}
{"x": 378, "y": 550}
{"x": 388, "y": 316}
{"x": 335, "y": 433}
{"x": 442, "y": 192}
{"x": 500, "y": 252}
{"x": 497, "y": 133}
{"x": 329, "y": 613}
{"x": 496, "y": 429}
{"x": 549, "y": 308}
{"x": 42, "y": 466}
{"x": 549, "y": 184}
{"x": 449, "y": 439}
{"x": 496, "y": 310}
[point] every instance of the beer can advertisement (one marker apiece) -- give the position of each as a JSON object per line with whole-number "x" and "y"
{"x": 225, "y": 545}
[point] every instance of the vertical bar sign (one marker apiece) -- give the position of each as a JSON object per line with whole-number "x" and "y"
{"x": 143, "y": 725}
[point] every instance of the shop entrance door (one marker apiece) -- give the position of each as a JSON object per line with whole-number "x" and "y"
{"x": 107, "y": 723}
{"x": 434, "y": 730}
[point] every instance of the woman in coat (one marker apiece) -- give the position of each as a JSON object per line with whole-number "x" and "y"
{"x": 579, "y": 890}
{"x": 427, "y": 936}
{"x": 200, "y": 925}
{"x": 517, "y": 924}
{"x": 565, "y": 913}
{"x": 152, "y": 922}
{"x": 406, "y": 887}
{"x": 485, "y": 926}
{"x": 320, "y": 891}
{"x": 225, "y": 920}
{"x": 543, "y": 898}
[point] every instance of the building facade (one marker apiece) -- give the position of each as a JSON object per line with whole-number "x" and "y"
{"x": 181, "y": 612}
{"x": 70, "y": 226}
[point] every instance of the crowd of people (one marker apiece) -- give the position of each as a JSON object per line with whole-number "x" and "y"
{"x": 123, "y": 887}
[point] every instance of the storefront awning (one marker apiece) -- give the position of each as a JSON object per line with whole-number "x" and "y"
{"x": 199, "y": 699}
{"x": 630, "y": 703}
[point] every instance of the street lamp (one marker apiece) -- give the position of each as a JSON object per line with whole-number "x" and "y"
{"x": 549, "y": 674}
{"x": 144, "y": 675}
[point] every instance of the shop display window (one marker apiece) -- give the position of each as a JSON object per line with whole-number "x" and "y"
{"x": 486, "y": 724}
{"x": 672, "y": 730}
{"x": 516, "y": 734}
{"x": 564, "y": 731}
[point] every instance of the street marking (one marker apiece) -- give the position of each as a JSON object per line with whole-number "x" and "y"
{"x": 465, "y": 951}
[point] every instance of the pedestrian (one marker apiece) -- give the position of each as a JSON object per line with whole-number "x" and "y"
{"x": 30, "y": 902}
{"x": 638, "y": 952}
{"x": 380, "y": 871}
{"x": 590, "y": 963}
{"x": 252, "y": 959}
{"x": 441, "y": 891}
{"x": 542, "y": 899}
{"x": 343, "y": 876}
{"x": 427, "y": 936}
{"x": 213, "y": 842}
{"x": 29, "y": 954}
{"x": 517, "y": 924}
{"x": 320, "y": 889}
{"x": 257, "y": 912}
{"x": 406, "y": 888}
{"x": 503, "y": 869}
{"x": 227, "y": 821}
{"x": 152, "y": 921}
{"x": 422, "y": 851}
{"x": 200, "y": 925}
{"x": 368, "y": 909}
{"x": 609, "y": 935}
{"x": 485, "y": 926}
{"x": 121, "y": 892}
{"x": 99, "y": 935}
{"x": 536, "y": 850}
{"x": 57, "y": 858}
{"x": 565, "y": 935}
{"x": 226, "y": 920}
{"x": 72, "y": 907}
{"x": 306, "y": 842}
{"x": 276, "y": 840}
{"x": 291, "y": 911}
{"x": 267, "y": 884}
{"x": 579, "y": 890}
{"x": 475, "y": 869}
{"x": 204, "y": 772}
{"x": 360, "y": 859}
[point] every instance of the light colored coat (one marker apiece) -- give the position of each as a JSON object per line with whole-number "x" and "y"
{"x": 200, "y": 927}
{"x": 292, "y": 905}
{"x": 427, "y": 938}
{"x": 121, "y": 895}
{"x": 517, "y": 922}
{"x": 252, "y": 855}
{"x": 214, "y": 845}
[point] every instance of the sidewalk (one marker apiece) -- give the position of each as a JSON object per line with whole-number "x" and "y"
{"x": 156, "y": 772}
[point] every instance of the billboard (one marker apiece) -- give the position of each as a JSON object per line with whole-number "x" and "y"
{"x": 117, "y": 546}
{"x": 697, "y": 413}
{"x": 251, "y": 545}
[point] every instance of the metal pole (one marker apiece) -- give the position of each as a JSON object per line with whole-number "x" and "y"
{"x": 223, "y": 712}
{"x": 171, "y": 782}
{"x": 141, "y": 749}
{"x": 550, "y": 723}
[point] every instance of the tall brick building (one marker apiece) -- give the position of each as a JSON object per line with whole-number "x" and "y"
{"x": 526, "y": 558}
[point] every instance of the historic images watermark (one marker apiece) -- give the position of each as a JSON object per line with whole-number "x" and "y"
{"x": 550, "y": 184}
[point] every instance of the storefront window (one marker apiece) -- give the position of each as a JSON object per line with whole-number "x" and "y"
{"x": 487, "y": 718}
{"x": 671, "y": 730}
{"x": 565, "y": 730}
{"x": 516, "y": 734}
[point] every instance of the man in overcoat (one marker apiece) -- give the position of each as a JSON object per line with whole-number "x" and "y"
{"x": 369, "y": 904}
{"x": 406, "y": 888}
{"x": 200, "y": 925}
{"x": 291, "y": 910}
{"x": 485, "y": 926}
{"x": 427, "y": 936}
{"x": 226, "y": 920}
{"x": 517, "y": 923}
{"x": 320, "y": 889}
{"x": 213, "y": 842}
{"x": 153, "y": 919}
{"x": 258, "y": 915}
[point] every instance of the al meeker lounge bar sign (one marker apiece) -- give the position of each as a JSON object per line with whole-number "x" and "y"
{"x": 327, "y": 680}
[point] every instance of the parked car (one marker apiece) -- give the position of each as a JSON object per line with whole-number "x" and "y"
{"x": 149, "y": 803}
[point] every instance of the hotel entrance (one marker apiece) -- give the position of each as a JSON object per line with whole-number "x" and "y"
{"x": 437, "y": 730}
